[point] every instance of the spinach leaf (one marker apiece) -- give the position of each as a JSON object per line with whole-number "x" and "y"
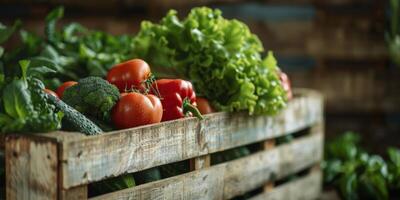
{"x": 16, "y": 96}
{"x": 24, "y": 105}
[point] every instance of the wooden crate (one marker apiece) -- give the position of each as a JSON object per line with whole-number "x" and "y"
{"x": 60, "y": 165}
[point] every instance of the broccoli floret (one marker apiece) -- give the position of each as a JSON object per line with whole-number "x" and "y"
{"x": 92, "y": 96}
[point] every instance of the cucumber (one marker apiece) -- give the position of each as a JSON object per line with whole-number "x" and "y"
{"x": 73, "y": 120}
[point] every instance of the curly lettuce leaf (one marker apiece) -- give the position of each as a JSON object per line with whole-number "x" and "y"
{"x": 221, "y": 57}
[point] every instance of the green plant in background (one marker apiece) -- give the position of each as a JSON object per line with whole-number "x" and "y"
{"x": 392, "y": 35}
{"x": 73, "y": 51}
{"x": 357, "y": 174}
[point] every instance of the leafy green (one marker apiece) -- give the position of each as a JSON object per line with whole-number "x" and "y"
{"x": 24, "y": 105}
{"x": 221, "y": 57}
{"x": 357, "y": 174}
{"x": 72, "y": 51}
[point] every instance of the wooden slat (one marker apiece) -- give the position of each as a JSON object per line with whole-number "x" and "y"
{"x": 31, "y": 168}
{"x": 268, "y": 145}
{"x": 307, "y": 188}
{"x": 200, "y": 162}
{"x": 233, "y": 178}
{"x": 88, "y": 159}
{"x": 79, "y": 192}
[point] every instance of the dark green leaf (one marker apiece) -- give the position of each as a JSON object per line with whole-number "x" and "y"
{"x": 51, "y": 21}
{"x": 6, "y": 32}
{"x": 394, "y": 156}
{"x": 16, "y": 99}
{"x": 348, "y": 186}
{"x": 39, "y": 71}
{"x": 375, "y": 186}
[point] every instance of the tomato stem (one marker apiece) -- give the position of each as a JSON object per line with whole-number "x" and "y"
{"x": 188, "y": 107}
{"x": 150, "y": 82}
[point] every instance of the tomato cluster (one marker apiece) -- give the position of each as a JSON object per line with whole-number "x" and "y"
{"x": 144, "y": 100}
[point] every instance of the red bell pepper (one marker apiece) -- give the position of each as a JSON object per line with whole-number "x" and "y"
{"x": 177, "y": 98}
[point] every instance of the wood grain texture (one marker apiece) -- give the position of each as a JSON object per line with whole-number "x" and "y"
{"x": 88, "y": 159}
{"x": 31, "y": 168}
{"x": 79, "y": 192}
{"x": 233, "y": 178}
{"x": 304, "y": 188}
{"x": 268, "y": 145}
{"x": 272, "y": 165}
{"x": 200, "y": 162}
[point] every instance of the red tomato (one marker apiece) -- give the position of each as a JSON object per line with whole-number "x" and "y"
{"x": 51, "y": 93}
{"x": 204, "y": 106}
{"x": 64, "y": 86}
{"x": 131, "y": 74}
{"x": 135, "y": 109}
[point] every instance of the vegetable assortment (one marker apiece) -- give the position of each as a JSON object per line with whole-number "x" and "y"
{"x": 221, "y": 57}
{"x": 77, "y": 79}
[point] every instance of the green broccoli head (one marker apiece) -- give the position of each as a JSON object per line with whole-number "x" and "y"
{"x": 92, "y": 96}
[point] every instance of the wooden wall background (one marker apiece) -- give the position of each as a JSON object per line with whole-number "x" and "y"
{"x": 335, "y": 46}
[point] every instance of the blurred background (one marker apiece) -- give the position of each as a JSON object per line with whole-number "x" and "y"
{"x": 335, "y": 46}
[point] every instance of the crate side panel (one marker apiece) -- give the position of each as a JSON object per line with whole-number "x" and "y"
{"x": 31, "y": 168}
{"x": 247, "y": 174}
{"x": 90, "y": 159}
{"x": 229, "y": 179}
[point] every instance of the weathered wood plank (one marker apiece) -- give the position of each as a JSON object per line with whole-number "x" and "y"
{"x": 233, "y": 178}
{"x": 200, "y": 162}
{"x": 305, "y": 188}
{"x": 79, "y": 192}
{"x": 272, "y": 165}
{"x": 87, "y": 159}
{"x": 202, "y": 184}
{"x": 268, "y": 145}
{"x": 31, "y": 168}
